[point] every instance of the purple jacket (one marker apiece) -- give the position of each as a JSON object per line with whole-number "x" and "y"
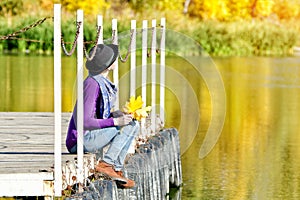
{"x": 91, "y": 120}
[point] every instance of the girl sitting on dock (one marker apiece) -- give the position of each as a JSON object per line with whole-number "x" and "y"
{"x": 101, "y": 126}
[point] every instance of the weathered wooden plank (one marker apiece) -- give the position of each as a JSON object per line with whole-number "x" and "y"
{"x": 27, "y": 141}
{"x": 19, "y": 167}
{"x": 32, "y": 163}
{"x": 23, "y": 138}
{"x": 26, "y": 118}
{"x": 34, "y": 132}
{"x": 25, "y": 148}
{"x": 30, "y": 114}
{"x": 44, "y": 144}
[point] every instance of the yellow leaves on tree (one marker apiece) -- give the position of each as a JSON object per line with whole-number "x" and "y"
{"x": 264, "y": 8}
{"x": 169, "y": 4}
{"x": 135, "y": 107}
{"x": 228, "y": 10}
{"x": 287, "y": 9}
{"x": 212, "y": 9}
{"x": 88, "y": 6}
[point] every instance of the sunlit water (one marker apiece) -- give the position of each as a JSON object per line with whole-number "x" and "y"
{"x": 257, "y": 155}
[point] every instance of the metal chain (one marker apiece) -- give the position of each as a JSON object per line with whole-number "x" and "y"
{"x": 24, "y": 29}
{"x": 26, "y": 40}
{"x": 74, "y": 43}
{"x": 161, "y": 35}
{"x": 94, "y": 50}
{"x": 63, "y": 43}
{"x": 157, "y": 50}
{"x": 123, "y": 60}
{"x": 150, "y": 49}
{"x": 113, "y": 37}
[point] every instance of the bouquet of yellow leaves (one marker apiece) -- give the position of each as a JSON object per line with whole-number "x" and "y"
{"x": 135, "y": 107}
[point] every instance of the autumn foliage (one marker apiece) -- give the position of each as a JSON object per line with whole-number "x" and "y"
{"x": 221, "y": 10}
{"x": 230, "y": 10}
{"x": 221, "y": 27}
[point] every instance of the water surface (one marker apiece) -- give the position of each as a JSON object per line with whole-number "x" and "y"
{"x": 257, "y": 155}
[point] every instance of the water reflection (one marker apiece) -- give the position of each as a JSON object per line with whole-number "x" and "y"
{"x": 258, "y": 153}
{"x": 19, "y": 77}
{"x": 257, "y": 156}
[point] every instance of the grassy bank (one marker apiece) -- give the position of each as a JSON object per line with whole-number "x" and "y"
{"x": 242, "y": 38}
{"x": 254, "y": 38}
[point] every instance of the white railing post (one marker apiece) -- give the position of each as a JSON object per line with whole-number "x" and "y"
{"x": 100, "y": 24}
{"x": 57, "y": 100}
{"x": 100, "y": 41}
{"x": 153, "y": 75}
{"x": 144, "y": 71}
{"x": 133, "y": 71}
{"x": 80, "y": 98}
{"x": 116, "y": 70}
{"x": 162, "y": 69}
{"x": 133, "y": 59}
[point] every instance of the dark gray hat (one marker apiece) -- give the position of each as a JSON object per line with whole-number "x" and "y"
{"x": 105, "y": 56}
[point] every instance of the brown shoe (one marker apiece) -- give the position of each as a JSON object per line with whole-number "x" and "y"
{"x": 108, "y": 170}
{"x": 130, "y": 183}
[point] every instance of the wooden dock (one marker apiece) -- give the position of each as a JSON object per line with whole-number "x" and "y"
{"x": 27, "y": 161}
{"x": 27, "y": 153}
{"x": 27, "y": 141}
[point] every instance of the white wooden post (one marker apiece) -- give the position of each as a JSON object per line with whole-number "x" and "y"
{"x": 153, "y": 75}
{"x": 144, "y": 70}
{"x": 57, "y": 100}
{"x": 100, "y": 23}
{"x": 80, "y": 98}
{"x": 133, "y": 59}
{"x": 133, "y": 71}
{"x": 116, "y": 70}
{"x": 162, "y": 69}
{"x": 100, "y": 41}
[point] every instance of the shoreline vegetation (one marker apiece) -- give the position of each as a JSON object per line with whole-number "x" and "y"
{"x": 241, "y": 37}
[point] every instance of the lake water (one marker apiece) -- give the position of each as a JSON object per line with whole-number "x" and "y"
{"x": 257, "y": 155}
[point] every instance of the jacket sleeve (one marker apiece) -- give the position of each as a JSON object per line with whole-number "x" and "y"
{"x": 91, "y": 94}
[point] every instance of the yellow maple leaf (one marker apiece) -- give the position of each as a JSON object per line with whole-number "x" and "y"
{"x": 133, "y": 104}
{"x": 142, "y": 113}
{"x": 135, "y": 107}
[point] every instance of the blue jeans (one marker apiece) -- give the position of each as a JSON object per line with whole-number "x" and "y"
{"x": 119, "y": 140}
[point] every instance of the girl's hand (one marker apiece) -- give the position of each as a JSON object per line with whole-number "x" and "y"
{"x": 123, "y": 120}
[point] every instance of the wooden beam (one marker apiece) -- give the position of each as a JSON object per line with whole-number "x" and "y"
{"x": 57, "y": 98}
{"x": 80, "y": 110}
